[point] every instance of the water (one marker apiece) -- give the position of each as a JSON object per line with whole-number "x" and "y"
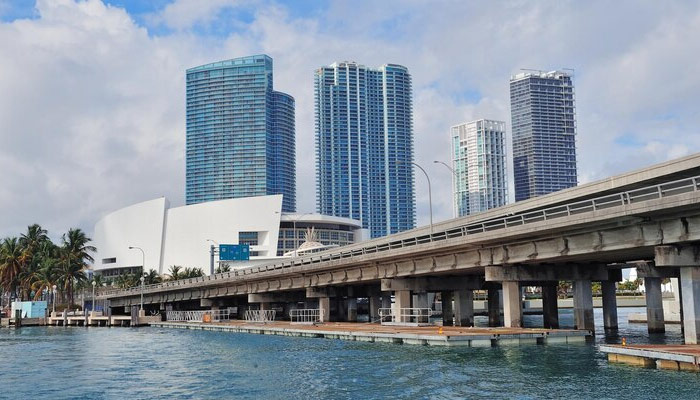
{"x": 154, "y": 363}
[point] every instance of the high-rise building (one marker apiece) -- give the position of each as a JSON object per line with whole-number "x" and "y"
{"x": 544, "y": 133}
{"x": 240, "y": 133}
{"x": 479, "y": 162}
{"x": 364, "y": 145}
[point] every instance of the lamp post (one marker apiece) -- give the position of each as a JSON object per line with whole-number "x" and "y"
{"x": 54, "y": 298}
{"x": 143, "y": 257}
{"x": 430, "y": 193}
{"x": 454, "y": 180}
{"x": 142, "y": 279}
{"x": 211, "y": 255}
{"x": 92, "y": 302}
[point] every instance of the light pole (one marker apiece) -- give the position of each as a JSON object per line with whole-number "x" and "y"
{"x": 454, "y": 180}
{"x": 142, "y": 280}
{"x": 92, "y": 302}
{"x": 143, "y": 257}
{"x": 211, "y": 255}
{"x": 54, "y": 298}
{"x": 430, "y": 193}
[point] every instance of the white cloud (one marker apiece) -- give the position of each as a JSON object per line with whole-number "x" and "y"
{"x": 92, "y": 105}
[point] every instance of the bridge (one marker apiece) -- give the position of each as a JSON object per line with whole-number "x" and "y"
{"x": 647, "y": 219}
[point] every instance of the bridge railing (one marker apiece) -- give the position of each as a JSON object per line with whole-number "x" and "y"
{"x": 305, "y": 315}
{"x": 405, "y": 315}
{"x": 260, "y": 316}
{"x": 199, "y": 315}
{"x": 620, "y": 199}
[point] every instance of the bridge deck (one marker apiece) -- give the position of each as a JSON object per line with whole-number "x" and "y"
{"x": 424, "y": 335}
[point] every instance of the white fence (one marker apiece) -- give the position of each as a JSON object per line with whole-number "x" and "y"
{"x": 305, "y": 315}
{"x": 405, "y": 315}
{"x": 200, "y": 315}
{"x": 261, "y": 316}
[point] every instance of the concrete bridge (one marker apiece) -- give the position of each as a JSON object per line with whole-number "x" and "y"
{"x": 647, "y": 219}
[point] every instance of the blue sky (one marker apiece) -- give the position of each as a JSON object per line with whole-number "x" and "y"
{"x": 92, "y": 92}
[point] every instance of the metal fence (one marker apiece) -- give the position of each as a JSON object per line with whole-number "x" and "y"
{"x": 199, "y": 315}
{"x": 305, "y": 315}
{"x": 453, "y": 231}
{"x": 260, "y": 316}
{"x": 405, "y": 315}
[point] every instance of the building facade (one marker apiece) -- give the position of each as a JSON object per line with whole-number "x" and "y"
{"x": 479, "y": 164}
{"x": 364, "y": 145}
{"x": 240, "y": 133}
{"x": 544, "y": 133}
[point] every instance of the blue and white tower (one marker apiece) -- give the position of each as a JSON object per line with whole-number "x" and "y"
{"x": 240, "y": 133}
{"x": 364, "y": 145}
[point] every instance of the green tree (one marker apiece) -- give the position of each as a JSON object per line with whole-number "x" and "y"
{"x": 75, "y": 255}
{"x": 11, "y": 262}
{"x": 222, "y": 268}
{"x": 175, "y": 273}
{"x": 152, "y": 277}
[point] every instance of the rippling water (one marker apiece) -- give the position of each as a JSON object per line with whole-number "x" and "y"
{"x": 150, "y": 363}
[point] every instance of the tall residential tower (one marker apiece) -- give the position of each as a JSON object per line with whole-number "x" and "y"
{"x": 479, "y": 162}
{"x": 544, "y": 133}
{"x": 240, "y": 133}
{"x": 364, "y": 145}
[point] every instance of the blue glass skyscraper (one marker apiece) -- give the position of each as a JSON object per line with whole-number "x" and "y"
{"x": 544, "y": 133}
{"x": 364, "y": 145}
{"x": 240, "y": 133}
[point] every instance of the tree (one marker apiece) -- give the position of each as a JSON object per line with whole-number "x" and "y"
{"x": 75, "y": 255}
{"x": 11, "y": 261}
{"x": 152, "y": 277}
{"x": 175, "y": 273}
{"x": 222, "y": 268}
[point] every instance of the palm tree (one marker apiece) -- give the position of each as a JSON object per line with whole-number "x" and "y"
{"x": 11, "y": 261}
{"x": 75, "y": 255}
{"x": 222, "y": 268}
{"x": 152, "y": 278}
{"x": 125, "y": 281}
{"x": 174, "y": 273}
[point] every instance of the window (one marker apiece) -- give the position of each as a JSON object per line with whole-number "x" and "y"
{"x": 112, "y": 260}
{"x": 249, "y": 238}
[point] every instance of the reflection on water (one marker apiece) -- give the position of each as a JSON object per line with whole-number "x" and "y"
{"x": 119, "y": 363}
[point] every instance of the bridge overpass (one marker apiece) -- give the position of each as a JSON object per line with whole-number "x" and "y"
{"x": 648, "y": 219}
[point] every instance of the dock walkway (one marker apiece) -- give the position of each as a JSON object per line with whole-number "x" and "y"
{"x": 680, "y": 357}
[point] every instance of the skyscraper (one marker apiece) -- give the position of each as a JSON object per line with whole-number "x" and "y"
{"x": 240, "y": 133}
{"x": 544, "y": 133}
{"x": 364, "y": 145}
{"x": 479, "y": 162}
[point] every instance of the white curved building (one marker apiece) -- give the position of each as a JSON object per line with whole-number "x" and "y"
{"x": 183, "y": 235}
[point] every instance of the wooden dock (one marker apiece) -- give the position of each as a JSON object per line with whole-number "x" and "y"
{"x": 680, "y": 357}
{"x": 365, "y": 332}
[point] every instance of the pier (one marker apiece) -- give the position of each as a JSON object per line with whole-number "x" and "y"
{"x": 673, "y": 357}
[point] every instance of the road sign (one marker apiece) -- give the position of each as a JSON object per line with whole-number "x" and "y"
{"x": 234, "y": 252}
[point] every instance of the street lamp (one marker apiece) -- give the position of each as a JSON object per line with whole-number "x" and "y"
{"x": 454, "y": 180}
{"x": 211, "y": 255}
{"x": 143, "y": 257}
{"x": 54, "y": 298}
{"x": 430, "y": 194}
{"x": 92, "y": 303}
{"x": 142, "y": 279}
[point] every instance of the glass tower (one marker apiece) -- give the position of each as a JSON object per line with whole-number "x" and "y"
{"x": 479, "y": 162}
{"x": 544, "y": 133}
{"x": 240, "y": 133}
{"x": 364, "y": 145}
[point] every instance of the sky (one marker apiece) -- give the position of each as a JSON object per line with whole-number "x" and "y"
{"x": 92, "y": 93}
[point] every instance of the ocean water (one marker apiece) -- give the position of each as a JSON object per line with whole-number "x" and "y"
{"x": 155, "y": 363}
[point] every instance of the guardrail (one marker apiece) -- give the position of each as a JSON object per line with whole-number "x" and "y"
{"x": 619, "y": 199}
{"x": 199, "y": 315}
{"x": 260, "y": 316}
{"x": 405, "y": 315}
{"x": 305, "y": 316}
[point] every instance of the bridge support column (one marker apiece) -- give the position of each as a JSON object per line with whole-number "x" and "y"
{"x": 512, "y": 305}
{"x": 690, "y": 290}
{"x": 386, "y": 299}
{"x": 352, "y": 309}
{"x": 447, "y": 313}
{"x": 655, "y": 306}
{"x": 609, "y": 305}
{"x": 583, "y": 305}
{"x": 464, "y": 307}
{"x": 402, "y": 299}
{"x": 420, "y": 300}
{"x": 265, "y": 305}
{"x": 324, "y": 304}
{"x": 550, "y": 308}
{"x": 494, "y": 307}
{"x": 374, "y": 305}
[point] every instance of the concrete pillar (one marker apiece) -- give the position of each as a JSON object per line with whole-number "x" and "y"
{"x": 374, "y": 305}
{"x": 447, "y": 314}
{"x": 265, "y": 306}
{"x": 352, "y": 309}
{"x": 464, "y": 307}
{"x": 494, "y": 307}
{"x": 609, "y": 305}
{"x": 324, "y": 304}
{"x": 512, "y": 305}
{"x": 402, "y": 299}
{"x": 341, "y": 309}
{"x": 386, "y": 299}
{"x": 550, "y": 307}
{"x": 690, "y": 289}
{"x": 420, "y": 300}
{"x": 655, "y": 305}
{"x": 583, "y": 305}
